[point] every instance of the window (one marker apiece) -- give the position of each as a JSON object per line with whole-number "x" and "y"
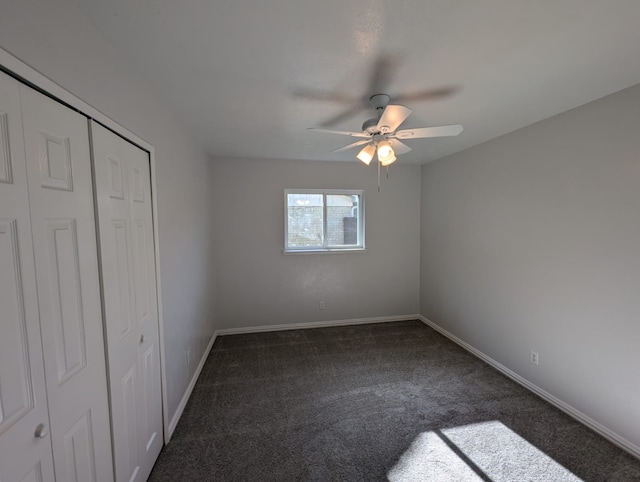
{"x": 323, "y": 220}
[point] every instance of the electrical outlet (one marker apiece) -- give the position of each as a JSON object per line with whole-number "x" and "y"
{"x": 534, "y": 357}
{"x": 322, "y": 305}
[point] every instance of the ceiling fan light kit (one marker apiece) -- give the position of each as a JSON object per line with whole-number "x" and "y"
{"x": 381, "y": 134}
{"x": 385, "y": 152}
{"x": 388, "y": 160}
{"x": 367, "y": 153}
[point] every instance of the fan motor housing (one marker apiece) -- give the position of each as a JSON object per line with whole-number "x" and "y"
{"x": 379, "y": 102}
{"x": 370, "y": 125}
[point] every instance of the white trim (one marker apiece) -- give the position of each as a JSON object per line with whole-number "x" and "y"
{"x": 23, "y": 70}
{"x": 610, "y": 435}
{"x": 325, "y": 251}
{"x": 156, "y": 249}
{"x": 315, "y": 324}
{"x": 187, "y": 394}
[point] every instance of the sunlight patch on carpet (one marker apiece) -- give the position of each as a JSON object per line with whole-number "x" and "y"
{"x": 487, "y": 451}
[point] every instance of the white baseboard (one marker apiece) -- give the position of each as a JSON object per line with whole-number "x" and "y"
{"x": 315, "y": 324}
{"x": 610, "y": 435}
{"x": 187, "y": 393}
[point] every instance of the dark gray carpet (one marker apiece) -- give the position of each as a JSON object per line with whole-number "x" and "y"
{"x": 392, "y": 401}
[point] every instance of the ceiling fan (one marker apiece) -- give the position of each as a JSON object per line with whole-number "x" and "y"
{"x": 381, "y": 136}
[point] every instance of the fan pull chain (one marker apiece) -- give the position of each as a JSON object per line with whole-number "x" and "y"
{"x": 378, "y": 176}
{"x": 387, "y": 172}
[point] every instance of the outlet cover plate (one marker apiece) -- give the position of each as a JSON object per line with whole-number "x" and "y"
{"x": 535, "y": 357}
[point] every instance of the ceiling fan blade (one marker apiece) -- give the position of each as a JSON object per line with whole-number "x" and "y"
{"x": 343, "y": 116}
{"x": 430, "y": 94}
{"x": 392, "y": 117}
{"x": 343, "y": 133}
{"x": 324, "y": 95}
{"x": 438, "y": 131}
{"x": 355, "y": 144}
{"x": 382, "y": 73}
{"x": 399, "y": 147}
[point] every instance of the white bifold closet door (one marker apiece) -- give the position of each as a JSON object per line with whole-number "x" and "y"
{"x": 25, "y": 455}
{"x": 123, "y": 191}
{"x": 56, "y": 292}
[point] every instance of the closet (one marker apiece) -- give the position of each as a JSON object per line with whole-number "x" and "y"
{"x": 80, "y": 389}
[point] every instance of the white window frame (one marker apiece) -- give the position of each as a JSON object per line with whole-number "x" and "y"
{"x": 359, "y": 247}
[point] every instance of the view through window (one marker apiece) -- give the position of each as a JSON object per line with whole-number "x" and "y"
{"x": 329, "y": 220}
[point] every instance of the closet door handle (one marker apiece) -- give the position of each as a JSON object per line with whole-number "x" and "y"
{"x": 41, "y": 431}
{"x": 142, "y": 339}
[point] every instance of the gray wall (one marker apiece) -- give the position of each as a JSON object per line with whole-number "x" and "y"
{"x": 258, "y": 285}
{"x": 54, "y": 38}
{"x": 532, "y": 242}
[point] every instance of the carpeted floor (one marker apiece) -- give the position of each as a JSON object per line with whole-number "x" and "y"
{"x": 391, "y": 401}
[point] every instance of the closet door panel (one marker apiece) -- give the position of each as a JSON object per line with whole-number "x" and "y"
{"x": 121, "y": 330}
{"x": 63, "y": 224}
{"x": 127, "y": 256}
{"x": 146, "y": 302}
{"x": 23, "y": 403}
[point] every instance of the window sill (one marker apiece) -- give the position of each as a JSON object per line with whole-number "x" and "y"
{"x": 324, "y": 251}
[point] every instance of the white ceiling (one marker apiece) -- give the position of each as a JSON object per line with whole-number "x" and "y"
{"x": 242, "y": 74}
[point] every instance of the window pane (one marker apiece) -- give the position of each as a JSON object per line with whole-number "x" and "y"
{"x": 305, "y": 221}
{"x": 342, "y": 219}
